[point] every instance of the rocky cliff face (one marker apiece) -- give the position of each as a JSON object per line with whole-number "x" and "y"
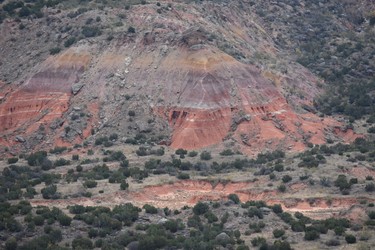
{"x": 192, "y": 75}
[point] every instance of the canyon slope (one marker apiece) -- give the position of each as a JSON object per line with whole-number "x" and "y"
{"x": 186, "y": 75}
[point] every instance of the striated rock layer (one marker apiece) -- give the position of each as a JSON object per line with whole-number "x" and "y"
{"x": 197, "y": 81}
{"x": 44, "y": 96}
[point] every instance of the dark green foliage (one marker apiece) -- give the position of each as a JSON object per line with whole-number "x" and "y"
{"x": 309, "y": 162}
{"x": 150, "y": 209}
{"x": 12, "y": 160}
{"x": 311, "y": 235}
{"x": 192, "y": 153}
{"x": 82, "y": 243}
{"x": 11, "y": 244}
{"x": 277, "y": 233}
{"x": 38, "y": 220}
{"x": 58, "y": 150}
{"x": 77, "y": 209}
{"x": 115, "y": 156}
{"x": 257, "y": 227}
{"x": 277, "y": 209}
{"x": 90, "y": 31}
{"x": 183, "y": 176}
{"x": 90, "y": 184}
{"x": 342, "y": 183}
{"x": 61, "y": 162}
{"x": 200, "y": 208}
{"x": 126, "y": 213}
{"x": 254, "y": 211}
{"x": 113, "y": 137}
{"x": 64, "y": 220}
{"x": 69, "y": 42}
{"x": 181, "y": 151}
{"x": 350, "y": 239}
{"x": 370, "y": 187}
{"x": 101, "y": 140}
{"x": 211, "y": 217}
{"x": 49, "y": 192}
{"x": 279, "y": 167}
{"x": 227, "y": 152}
{"x": 257, "y": 204}
{"x": 339, "y": 230}
{"x": 281, "y": 188}
{"x": 286, "y": 178}
{"x": 54, "y": 51}
{"x": 258, "y": 241}
{"x": 205, "y": 156}
{"x": 234, "y": 198}
{"x": 270, "y": 156}
{"x": 131, "y": 29}
{"x": 36, "y": 158}
{"x": 124, "y": 185}
{"x": 281, "y": 245}
{"x": 371, "y": 214}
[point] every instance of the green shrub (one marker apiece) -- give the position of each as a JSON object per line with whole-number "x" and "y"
{"x": 342, "y": 182}
{"x": 12, "y": 160}
{"x": 277, "y": 209}
{"x": 181, "y": 151}
{"x": 64, "y": 220}
{"x": 281, "y": 188}
{"x": 279, "y": 167}
{"x": 226, "y": 152}
{"x": 90, "y": 184}
{"x": 370, "y": 187}
{"x": 131, "y": 29}
{"x": 36, "y": 158}
{"x": 350, "y": 239}
{"x": 234, "y": 198}
{"x": 211, "y": 217}
{"x": 286, "y": 178}
{"x": 192, "y": 153}
{"x": 371, "y": 214}
{"x": 311, "y": 235}
{"x": 200, "y": 208}
{"x": 11, "y": 244}
{"x": 82, "y": 243}
{"x": 183, "y": 176}
{"x": 69, "y": 42}
{"x": 277, "y": 233}
{"x": 89, "y": 31}
{"x": 54, "y": 51}
{"x": 77, "y": 209}
{"x": 254, "y": 211}
{"x": 258, "y": 241}
{"x": 49, "y": 192}
{"x": 205, "y": 156}
{"x": 124, "y": 185}
{"x": 61, "y": 162}
{"x": 150, "y": 209}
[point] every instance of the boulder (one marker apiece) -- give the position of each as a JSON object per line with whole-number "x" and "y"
{"x": 222, "y": 239}
{"x": 20, "y": 139}
{"x": 76, "y": 88}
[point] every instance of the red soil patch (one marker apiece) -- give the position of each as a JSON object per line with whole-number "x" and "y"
{"x": 44, "y": 97}
{"x": 361, "y": 172}
{"x": 181, "y": 193}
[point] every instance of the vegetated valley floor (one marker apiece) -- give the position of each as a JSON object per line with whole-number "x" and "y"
{"x": 81, "y": 185}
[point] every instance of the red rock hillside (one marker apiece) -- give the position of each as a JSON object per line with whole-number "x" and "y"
{"x": 197, "y": 75}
